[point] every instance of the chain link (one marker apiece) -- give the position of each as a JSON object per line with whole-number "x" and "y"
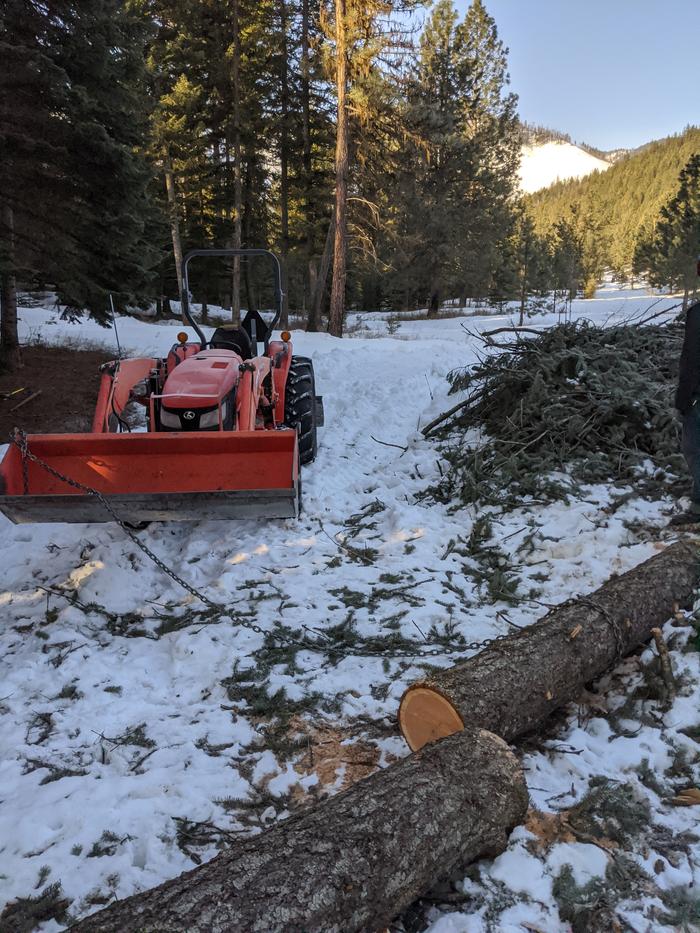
{"x": 19, "y": 439}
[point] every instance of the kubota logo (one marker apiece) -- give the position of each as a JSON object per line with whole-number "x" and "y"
{"x": 189, "y": 416}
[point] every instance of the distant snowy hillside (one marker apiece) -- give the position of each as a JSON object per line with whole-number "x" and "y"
{"x": 542, "y": 165}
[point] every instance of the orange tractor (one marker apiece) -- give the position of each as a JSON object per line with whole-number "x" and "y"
{"x": 226, "y": 430}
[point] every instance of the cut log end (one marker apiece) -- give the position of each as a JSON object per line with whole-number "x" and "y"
{"x": 426, "y": 715}
{"x": 509, "y": 689}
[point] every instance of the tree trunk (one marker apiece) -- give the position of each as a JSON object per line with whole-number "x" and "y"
{"x": 174, "y": 218}
{"x": 237, "y": 167}
{"x": 248, "y": 199}
{"x": 284, "y": 164}
{"x": 337, "y": 309}
{"x": 312, "y": 272}
{"x": 306, "y": 160}
{"x": 355, "y": 861}
{"x": 9, "y": 338}
{"x": 511, "y": 687}
{"x": 316, "y": 307}
{"x": 433, "y": 302}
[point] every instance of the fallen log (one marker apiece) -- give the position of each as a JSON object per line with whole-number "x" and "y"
{"x": 513, "y": 685}
{"x": 355, "y": 861}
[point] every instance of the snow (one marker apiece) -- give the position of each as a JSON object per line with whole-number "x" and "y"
{"x": 76, "y": 687}
{"x": 545, "y": 164}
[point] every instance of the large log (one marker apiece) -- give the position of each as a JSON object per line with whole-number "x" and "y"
{"x": 352, "y": 863}
{"x": 512, "y": 686}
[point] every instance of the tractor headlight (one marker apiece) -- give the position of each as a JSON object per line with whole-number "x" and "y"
{"x": 210, "y": 418}
{"x": 169, "y": 419}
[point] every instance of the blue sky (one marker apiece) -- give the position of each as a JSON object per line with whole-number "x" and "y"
{"x": 611, "y": 73}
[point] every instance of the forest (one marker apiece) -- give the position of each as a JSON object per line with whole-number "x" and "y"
{"x": 373, "y": 145}
{"x": 640, "y": 219}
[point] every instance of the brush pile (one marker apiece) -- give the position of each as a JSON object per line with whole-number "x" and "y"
{"x": 577, "y": 404}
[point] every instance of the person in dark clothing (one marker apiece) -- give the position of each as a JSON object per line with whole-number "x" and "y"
{"x": 688, "y": 405}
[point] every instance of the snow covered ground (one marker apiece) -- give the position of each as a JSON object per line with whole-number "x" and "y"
{"x": 544, "y": 164}
{"x": 137, "y": 734}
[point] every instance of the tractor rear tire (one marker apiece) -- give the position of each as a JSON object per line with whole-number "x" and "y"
{"x": 300, "y": 406}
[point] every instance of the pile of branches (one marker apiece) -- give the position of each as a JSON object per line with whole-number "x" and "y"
{"x": 577, "y": 404}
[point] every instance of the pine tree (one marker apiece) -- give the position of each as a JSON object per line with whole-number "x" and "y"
{"x": 361, "y": 31}
{"x": 460, "y": 156}
{"x": 73, "y": 179}
{"x": 529, "y": 257}
{"x": 671, "y": 255}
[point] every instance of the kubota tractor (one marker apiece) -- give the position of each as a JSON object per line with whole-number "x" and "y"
{"x": 226, "y": 429}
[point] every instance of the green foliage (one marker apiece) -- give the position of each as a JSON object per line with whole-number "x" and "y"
{"x": 274, "y": 711}
{"x": 107, "y": 844}
{"x": 682, "y": 909}
{"x": 578, "y": 404}
{"x": 626, "y": 198}
{"x": 670, "y": 253}
{"x": 217, "y": 127}
{"x": 612, "y": 811}
{"x": 450, "y": 205}
{"x": 578, "y": 253}
{"x": 591, "y": 907}
{"x": 26, "y": 913}
{"x": 73, "y": 171}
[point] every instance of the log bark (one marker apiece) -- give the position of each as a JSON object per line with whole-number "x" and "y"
{"x": 355, "y": 861}
{"x": 514, "y": 684}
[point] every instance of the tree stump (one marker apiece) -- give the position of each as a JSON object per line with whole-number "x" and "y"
{"x": 355, "y": 861}
{"x": 513, "y": 685}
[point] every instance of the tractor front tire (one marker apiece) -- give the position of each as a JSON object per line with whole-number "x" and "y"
{"x": 300, "y": 406}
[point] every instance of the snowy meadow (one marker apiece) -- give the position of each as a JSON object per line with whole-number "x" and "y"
{"x": 140, "y": 734}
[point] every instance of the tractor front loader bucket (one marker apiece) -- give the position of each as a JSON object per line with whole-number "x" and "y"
{"x": 152, "y": 477}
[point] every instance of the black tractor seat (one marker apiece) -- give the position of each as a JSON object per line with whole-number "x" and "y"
{"x": 230, "y": 337}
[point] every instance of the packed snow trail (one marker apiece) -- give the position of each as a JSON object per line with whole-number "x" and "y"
{"x": 131, "y": 738}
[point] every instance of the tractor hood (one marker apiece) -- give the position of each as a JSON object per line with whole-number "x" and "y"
{"x": 202, "y": 380}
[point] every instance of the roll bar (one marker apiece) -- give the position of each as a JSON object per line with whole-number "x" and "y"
{"x": 279, "y": 294}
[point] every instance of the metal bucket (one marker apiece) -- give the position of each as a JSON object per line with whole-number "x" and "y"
{"x": 153, "y": 477}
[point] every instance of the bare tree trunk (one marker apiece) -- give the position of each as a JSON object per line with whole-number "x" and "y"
{"x": 173, "y": 216}
{"x": 355, "y": 861}
{"x": 237, "y": 167}
{"x": 9, "y": 338}
{"x": 284, "y": 164}
{"x": 511, "y": 687}
{"x": 337, "y": 309}
{"x": 316, "y": 306}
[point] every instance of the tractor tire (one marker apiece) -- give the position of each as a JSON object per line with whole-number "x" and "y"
{"x": 300, "y": 406}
